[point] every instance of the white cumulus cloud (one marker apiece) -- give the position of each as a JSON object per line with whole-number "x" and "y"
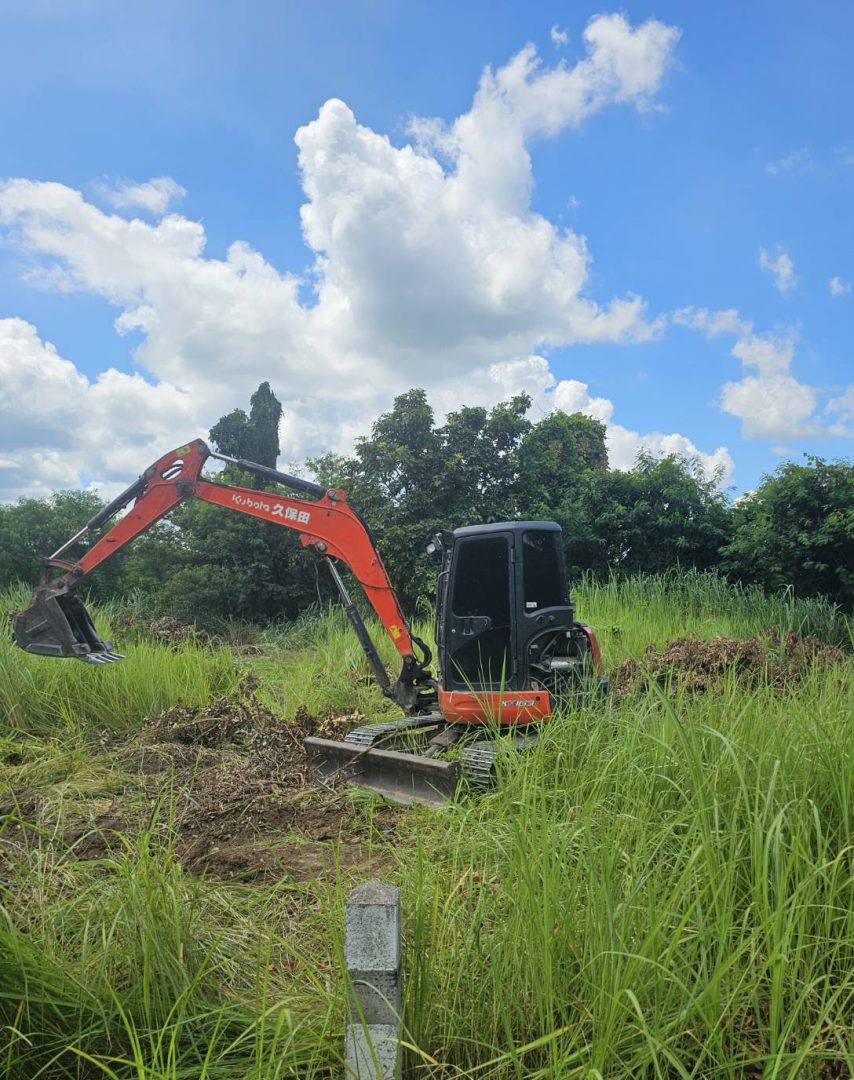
{"x": 780, "y": 266}
{"x": 843, "y": 409}
{"x": 430, "y": 268}
{"x": 154, "y": 196}
{"x": 768, "y": 400}
{"x": 559, "y": 37}
{"x": 838, "y": 287}
{"x": 55, "y": 424}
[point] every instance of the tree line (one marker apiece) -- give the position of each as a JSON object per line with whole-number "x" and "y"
{"x": 413, "y": 476}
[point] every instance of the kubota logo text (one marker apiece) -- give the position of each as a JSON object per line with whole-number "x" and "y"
{"x": 276, "y": 509}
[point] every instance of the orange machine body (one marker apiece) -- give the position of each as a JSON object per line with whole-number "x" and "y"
{"x": 508, "y": 708}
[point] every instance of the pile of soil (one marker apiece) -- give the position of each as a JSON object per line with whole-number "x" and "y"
{"x": 688, "y": 663}
{"x": 231, "y": 782}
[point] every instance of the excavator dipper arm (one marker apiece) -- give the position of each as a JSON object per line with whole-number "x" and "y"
{"x": 57, "y": 624}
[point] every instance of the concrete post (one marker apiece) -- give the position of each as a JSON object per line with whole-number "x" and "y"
{"x": 372, "y": 954}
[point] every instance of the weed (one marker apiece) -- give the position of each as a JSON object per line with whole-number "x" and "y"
{"x": 662, "y": 887}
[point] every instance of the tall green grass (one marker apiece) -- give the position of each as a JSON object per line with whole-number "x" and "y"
{"x": 47, "y": 696}
{"x": 662, "y": 891}
{"x": 317, "y": 663}
{"x": 663, "y": 888}
{"x": 630, "y": 613}
{"x": 129, "y": 968}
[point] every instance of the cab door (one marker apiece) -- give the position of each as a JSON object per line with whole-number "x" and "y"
{"x": 545, "y": 616}
{"x": 481, "y": 641}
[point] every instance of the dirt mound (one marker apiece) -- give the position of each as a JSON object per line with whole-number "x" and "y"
{"x": 238, "y": 721}
{"x": 691, "y": 664}
{"x": 243, "y": 798}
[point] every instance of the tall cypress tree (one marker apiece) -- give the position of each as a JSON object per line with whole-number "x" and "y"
{"x": 254, "y": 437}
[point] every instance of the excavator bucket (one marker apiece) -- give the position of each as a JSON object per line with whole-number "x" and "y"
{"x": 57, "y": 624}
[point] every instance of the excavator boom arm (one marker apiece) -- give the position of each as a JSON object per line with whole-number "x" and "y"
{"x": 330, "y": 527}
{"x": 326, "y": 524}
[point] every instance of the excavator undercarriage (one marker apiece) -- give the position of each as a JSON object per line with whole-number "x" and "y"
{"x": 509, "y": 649}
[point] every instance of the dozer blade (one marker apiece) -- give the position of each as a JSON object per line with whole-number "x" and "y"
{"x": 401, "y": 777}
{"x": 57, "y": 624}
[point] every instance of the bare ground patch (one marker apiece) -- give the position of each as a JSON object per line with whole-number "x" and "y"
{"x": 231, "y": 785}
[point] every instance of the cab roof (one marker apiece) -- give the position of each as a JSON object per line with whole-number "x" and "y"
{"x": 507, "y": 526}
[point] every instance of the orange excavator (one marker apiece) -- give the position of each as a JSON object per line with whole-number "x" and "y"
{"x": 509, "y": 646}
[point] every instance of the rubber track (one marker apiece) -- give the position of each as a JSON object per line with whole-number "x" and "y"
{"x": 476, "y": 765}
{"x": 371, "y": 734}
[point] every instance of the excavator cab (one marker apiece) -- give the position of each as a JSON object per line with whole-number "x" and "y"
{"x": 504, "y": 620}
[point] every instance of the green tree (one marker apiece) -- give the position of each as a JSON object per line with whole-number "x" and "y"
{"x": 479, "y": 450}
{"x": 410, "y": 478}
{"x": 235, "y": 567}
{"x": 254, "y": 437}
{"x": 797, "y": 529}
{"x": 555, "y": 457}
{"x": 662, "y": 513}
{"x": 231, "y": 565}
{"x": 393, "y": 480}
{"x": 34, "y": 528}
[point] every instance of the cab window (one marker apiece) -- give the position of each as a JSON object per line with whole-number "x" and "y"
{"x": 482, "y": 657}
{"x": 541, "y": 570}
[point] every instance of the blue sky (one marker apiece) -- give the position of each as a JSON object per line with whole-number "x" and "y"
{"x": 730, "y": 136}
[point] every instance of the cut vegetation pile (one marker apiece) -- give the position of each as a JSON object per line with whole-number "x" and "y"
{"x": 243, "y": 799}
{"x": 694, "y": 665}
{"x": 162, "y": 628}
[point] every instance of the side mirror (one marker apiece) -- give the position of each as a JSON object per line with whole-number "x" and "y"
{"x": 435, "y": 545}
